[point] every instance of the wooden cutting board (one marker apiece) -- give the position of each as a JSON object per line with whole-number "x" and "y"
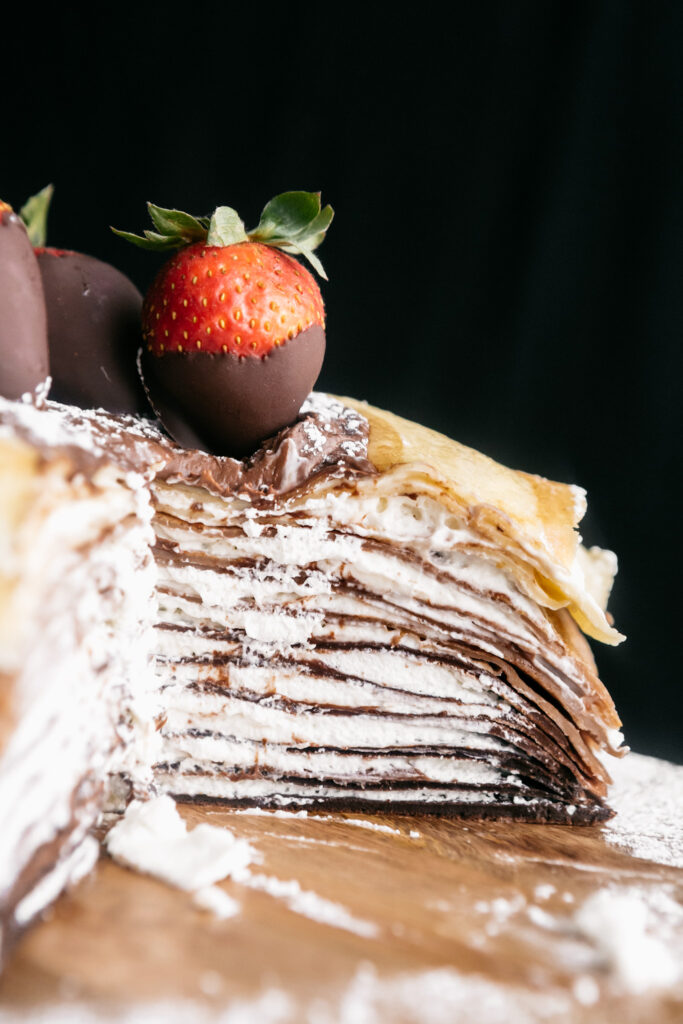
{"x": 385, "y": 918}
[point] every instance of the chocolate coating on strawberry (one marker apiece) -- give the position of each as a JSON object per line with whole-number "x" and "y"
{"x": 233, "y": 325}
{"x": 24, "y": 361}
{"x": 93, "y": 313}
{"x": 229, "y": 404}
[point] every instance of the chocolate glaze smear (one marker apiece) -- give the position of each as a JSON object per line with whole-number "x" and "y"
{"x": 327, "y": 437}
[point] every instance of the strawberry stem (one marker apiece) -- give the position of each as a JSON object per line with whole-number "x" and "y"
{"x": 34, "y": 215}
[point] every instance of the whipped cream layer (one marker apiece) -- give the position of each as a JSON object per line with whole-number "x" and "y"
{"x": 339, "y": 647}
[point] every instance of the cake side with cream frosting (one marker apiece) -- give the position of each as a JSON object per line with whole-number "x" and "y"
{"x": 75, "y": 586}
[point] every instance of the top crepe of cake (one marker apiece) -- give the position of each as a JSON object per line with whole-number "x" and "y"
{"x": 530, "y": 520}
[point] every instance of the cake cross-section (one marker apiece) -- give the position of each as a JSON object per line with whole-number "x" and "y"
{"x": 363, "y": 614}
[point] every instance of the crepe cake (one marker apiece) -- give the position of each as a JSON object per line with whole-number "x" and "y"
{"x": 402, "y": 636}
{"x": 363, "y": 614}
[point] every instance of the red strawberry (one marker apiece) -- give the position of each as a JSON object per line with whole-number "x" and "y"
{"x": 234, "y": 327}
{"x": 245, "y": 301}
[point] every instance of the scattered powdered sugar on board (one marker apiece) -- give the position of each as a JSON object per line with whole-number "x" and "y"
{"x": 499, "y": 911}
{"x": 544, "y": 891}
{"x": 286, "y": 837}
{"x": 259, "y": 812}
{"x": 372, "y": 826}
{"x": 273, "y": 1007}
{"x": 638, "y": 935}
{"x": 309, "y": 904}
{"x": 648, "y": 798}
{"x": 436, "y": 996}
{"x": 440, "y": 996}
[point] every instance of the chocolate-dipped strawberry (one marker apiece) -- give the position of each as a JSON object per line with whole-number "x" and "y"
{"x": 24, "y": 363}
{"x": 233, "y": 325}
{"x": 93, "y": 323}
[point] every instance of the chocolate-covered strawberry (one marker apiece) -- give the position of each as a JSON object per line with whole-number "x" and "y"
{"x": 93, "y": 323}
{"x": 23, "y": 327}
{"x": 233, "y": 325}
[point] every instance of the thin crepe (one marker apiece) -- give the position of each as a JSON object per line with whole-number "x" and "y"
{"x": 531, "y": 521}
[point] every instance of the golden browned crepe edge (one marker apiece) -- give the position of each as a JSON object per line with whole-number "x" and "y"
{"x": 577, "y": 645}
{"x": 531, "y": 519}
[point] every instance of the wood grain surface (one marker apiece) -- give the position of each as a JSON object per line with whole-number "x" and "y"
{"x": 390, "y": 919}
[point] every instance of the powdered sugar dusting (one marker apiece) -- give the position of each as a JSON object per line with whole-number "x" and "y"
{"x": 638, "y": 937}
{"x": 338, "y": 819}
{"x": 272, "y": 1007}
{"x": 437, "y": 996}
{"x": 317, "y": 908}
{"x": 314, "y": 437}
{"x": 648, "y": 798}
{"x": 328, "y": 410}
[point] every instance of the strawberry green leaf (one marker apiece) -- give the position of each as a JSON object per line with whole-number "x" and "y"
{"x": 158, "y": 239}
{"x": 295, "y": 246}
{"x": 226, "y": 228}
{"x": 177, "y": 223}
{"x": 287, "y": 215}
{"x": 153, "y": 242}
{"x": 34, "y": 215}
{"x": 314, "y": 233}
{"x": 174, "y": 230}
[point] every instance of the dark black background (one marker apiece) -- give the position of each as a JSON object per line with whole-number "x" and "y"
{"x": 505, "y": 264}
